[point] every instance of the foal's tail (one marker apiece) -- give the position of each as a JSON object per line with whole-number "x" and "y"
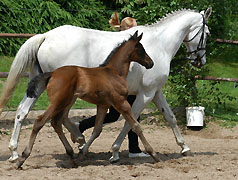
{"x": 25, "y": 58}
{"x": 33, "y": 90}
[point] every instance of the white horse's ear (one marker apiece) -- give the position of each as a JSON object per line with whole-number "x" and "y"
{"x": 208, "y": 13}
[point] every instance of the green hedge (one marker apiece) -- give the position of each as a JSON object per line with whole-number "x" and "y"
{"x": 39, "y": 16}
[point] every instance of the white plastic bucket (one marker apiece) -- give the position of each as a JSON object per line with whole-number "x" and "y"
{"x": 195, "y": 116}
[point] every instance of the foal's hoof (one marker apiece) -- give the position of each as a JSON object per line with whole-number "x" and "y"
{"x": 155, "y": 157}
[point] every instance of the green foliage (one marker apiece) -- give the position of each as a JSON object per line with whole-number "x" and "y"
{"x": 183, "y": 83}
{"x": 39, "y": 16}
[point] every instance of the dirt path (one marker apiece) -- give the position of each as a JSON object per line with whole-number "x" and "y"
{"x": 214, "y": 155}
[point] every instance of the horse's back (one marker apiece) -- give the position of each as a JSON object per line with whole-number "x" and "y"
{"x": 71, "y": 45}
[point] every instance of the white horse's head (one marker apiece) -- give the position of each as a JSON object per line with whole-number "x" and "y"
{"x": 195, "y": 41}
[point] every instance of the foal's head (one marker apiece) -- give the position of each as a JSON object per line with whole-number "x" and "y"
{"x": 139, "y": 54}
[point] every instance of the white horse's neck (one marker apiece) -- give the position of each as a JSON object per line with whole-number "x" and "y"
{"x": 171, "y": 31}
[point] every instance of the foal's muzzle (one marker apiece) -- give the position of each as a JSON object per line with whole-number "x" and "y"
{"x": 149, "y": 65}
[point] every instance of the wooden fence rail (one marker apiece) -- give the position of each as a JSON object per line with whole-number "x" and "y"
{"x": 216, "y": 78}
{"x": 223, "y": 41}
{"x": 5, "y": 74}
{"x": 13, "y": 35}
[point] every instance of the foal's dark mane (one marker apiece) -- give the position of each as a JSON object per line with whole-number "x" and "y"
{"x": 114, "y": 51}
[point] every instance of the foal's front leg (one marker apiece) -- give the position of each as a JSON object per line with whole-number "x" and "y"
{"x": 101, "y": 113}
{"x": 126, "y": 111}
{"x": 142, "y": 99}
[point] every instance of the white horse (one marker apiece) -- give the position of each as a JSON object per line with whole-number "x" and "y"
{"x": 69, "y": 45}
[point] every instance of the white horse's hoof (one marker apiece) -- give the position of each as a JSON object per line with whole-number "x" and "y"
{"x": 186, "y": 151}
{"x": 114, "y": 159}
{"x": 80, "y": 147}
{"x": 13, "y": 159}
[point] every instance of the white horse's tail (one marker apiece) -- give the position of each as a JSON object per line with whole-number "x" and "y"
{"x": 25, "y": 57}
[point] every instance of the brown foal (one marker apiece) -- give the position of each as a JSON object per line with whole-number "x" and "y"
{"x": 104, "y": 86}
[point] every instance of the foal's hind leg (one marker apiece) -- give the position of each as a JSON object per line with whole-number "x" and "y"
{"x": 56, "y": 122}
{"x": 163, "y": 106}
{"x": 125, "y": 110}
{"x": 38, "y": 124}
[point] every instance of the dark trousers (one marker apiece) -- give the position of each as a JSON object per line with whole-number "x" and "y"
{"x": 113, "y": 116}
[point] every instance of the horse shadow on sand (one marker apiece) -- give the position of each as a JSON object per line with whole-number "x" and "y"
{"x": 102, "y": 159}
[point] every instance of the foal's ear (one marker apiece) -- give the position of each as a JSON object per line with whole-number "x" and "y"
{"x": 139, "y": 37}
{"x": 135, "y": 35}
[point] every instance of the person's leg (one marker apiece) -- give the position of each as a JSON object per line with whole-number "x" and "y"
{"x": 132, "y": 137}
{"x": 134, "y": 149}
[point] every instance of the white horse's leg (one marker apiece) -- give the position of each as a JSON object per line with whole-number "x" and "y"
{"x": 161, "y": 103}
{"x": 22, "y": 111}
{"x": 141, "y": 101}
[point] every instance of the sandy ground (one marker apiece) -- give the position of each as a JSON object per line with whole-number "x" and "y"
{"x": 214, "y": 154}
